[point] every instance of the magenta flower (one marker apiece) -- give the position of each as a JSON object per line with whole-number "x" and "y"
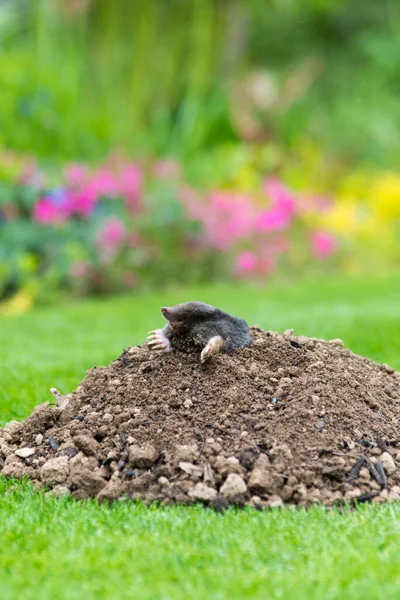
{"x": 130, "y": 182}
{"x": 104, "y": 183}
{"x": 279, "y": 194}
{"x": 323, "y": 244}
{"x": 46, "y": 212}
{"x": 112, "y": 234}
{"x": 282, "y": 211}
{"x": 246, "y": 261}
{"x": 226, "y": 216}
{"x": 82, "y": 202}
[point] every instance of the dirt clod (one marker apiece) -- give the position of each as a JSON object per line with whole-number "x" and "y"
{"x": 288, "y": 420}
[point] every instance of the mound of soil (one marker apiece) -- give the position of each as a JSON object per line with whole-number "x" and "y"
{"x": 287, "y": 420}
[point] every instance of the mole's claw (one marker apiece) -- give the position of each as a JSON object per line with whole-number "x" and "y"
{"x": 158, "y": 341}
{"x": 213, "y": 346}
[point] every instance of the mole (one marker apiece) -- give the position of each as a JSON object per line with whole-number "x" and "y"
{"x": 200, "y": 325}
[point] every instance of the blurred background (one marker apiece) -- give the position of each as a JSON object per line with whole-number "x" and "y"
{"x": 147, "y": 143}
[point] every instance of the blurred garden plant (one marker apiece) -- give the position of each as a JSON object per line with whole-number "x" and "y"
{"x": 122, "y": 225}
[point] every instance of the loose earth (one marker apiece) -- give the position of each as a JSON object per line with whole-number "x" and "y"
{"x": 289, "y": 420}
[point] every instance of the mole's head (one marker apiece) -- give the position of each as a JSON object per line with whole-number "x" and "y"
{"x": 182, "y": 316}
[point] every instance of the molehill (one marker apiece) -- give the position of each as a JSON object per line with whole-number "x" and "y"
{"x": 287, "y": 420}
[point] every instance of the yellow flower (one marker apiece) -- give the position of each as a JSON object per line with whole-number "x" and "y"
{"x": 384, "y": 196}
{"x": 18, "y": 304}
{"x": 343, "y": 217}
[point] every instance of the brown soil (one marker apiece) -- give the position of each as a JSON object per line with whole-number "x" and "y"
{"x": 289, "y": 420}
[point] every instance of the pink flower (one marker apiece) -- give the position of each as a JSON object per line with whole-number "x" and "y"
{"x": 281, "y": 213}
{"x": 279, "y": 194}
{"x": 323, "y": 244}
{"x": 47, "y": 212}
{"x": 246, "y": 261}
{"x": 226, "y": 216}
{"x": 82, "y": 202}
{"x": 112, "y": 234}
{"x": 274, "y": 219}
{"x": 130, "y": 181}
{"x": 104, "y": 183}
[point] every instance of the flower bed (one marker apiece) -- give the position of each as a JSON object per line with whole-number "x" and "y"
{"x": 124, "y": 225}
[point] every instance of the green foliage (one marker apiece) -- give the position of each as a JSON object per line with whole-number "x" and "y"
{"x": 157, "y": 76}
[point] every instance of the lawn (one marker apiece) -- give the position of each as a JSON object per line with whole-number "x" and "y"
{"x": 64, "y": 550}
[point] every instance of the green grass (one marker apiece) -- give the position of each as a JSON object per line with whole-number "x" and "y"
{"x": 64, "y": 550}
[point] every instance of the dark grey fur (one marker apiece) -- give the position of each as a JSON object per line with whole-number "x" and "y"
{"x": 200, "y": 322}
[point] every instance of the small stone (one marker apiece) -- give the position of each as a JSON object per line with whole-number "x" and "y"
{"x": 25, "y": 452}
{"x": 188, "y": 403}
{"x": 282, "y": 451}
{"x": 58, "y": 491}
{"x": 262, "y": 479}
{"x": 388, "y": 463}
{"x": 336, "y": 342}
{"x": 320, "y": 425}
{"x": 394, "y": 494}
{"x": 54, "y": 445}
{"x": 191, "y": 469}
{"x": 111, "y": 491}
{"x": 255, "y": 501}
{"x": 163, "y": 481}
{"x": 244, "y": 434}
{"x": 352, "y": 494}
{"x": 234, "y": 488}
{"x": 12, "y": 427}
{"x": 186, "y": 453}
{"x": 87, "y": 444}
{"x": 84, "y": 479}
{"x": 108, "y": 417}
{"x": 203, "y": 492}
{"x": 275, "y": 502}
{"x": 142, "y": 456}
{"x": 55, "y": 470}
{"x": 224, "y": 466}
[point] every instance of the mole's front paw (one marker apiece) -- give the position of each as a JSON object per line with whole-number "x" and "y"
{"x": 213, "y": 346}
{"x": 159, "y": 341}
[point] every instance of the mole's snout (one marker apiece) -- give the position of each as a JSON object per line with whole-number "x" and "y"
{"x": 164, "y": 311}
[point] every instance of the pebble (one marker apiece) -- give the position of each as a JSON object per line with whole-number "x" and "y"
{"x": 55, "y": 470}
{"x": 38, "y": 439}
{"x": 142, "y": 456}
{"x": 203, "y": 492}
{"x": 54, "y": 445}
{"x": 388, "y": 463}
{"x": 234, "y": 488}
{"x": 25, "y": 452}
